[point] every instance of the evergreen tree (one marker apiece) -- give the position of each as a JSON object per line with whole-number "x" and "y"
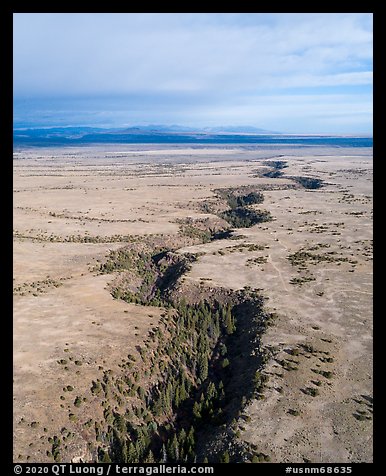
{"x": 175, "y": 448}
{"x": 150, "y": 458}
{"x": 132, "y": 455}
{"x": 190, "y": 440}
{"x": 177, "y": 397}
{"x": 124, "y": 452}
{"x": 211, "y": 392}
{"x": 120, "y": 423}
{"x": 183, "y": 392}
{"x": 202, "y": 367}
{"x": 221, "y": 391}
{"x": 164, "y": 457}
{"x": 106, "y": 457}
{"x": 229, "y": 322}
{"x": 182, "y": 437}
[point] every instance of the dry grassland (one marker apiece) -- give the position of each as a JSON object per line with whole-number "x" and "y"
{"x": 314, "y": 265}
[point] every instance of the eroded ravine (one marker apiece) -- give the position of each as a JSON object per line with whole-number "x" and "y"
{"x": 209, "y": 366}
{"x": 197, "y": 370}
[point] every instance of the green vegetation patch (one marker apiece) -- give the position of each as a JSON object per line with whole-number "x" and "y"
{"x": 235, "y": 198}
{"x": 277, "y": 164}
{"x": 242, "y": 217}
{"x": 302, "y": 257}
{"x": 199, "y": 361}
{"x": 273, "y": 174}
{"x": 310, "y": 183}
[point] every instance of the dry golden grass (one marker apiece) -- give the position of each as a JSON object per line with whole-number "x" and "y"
{"x": 62, "y": 308}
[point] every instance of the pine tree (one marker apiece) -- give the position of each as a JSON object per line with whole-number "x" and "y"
{"x": 132, "y": 455}
{"x": 229, "y": 322}
{"x": 211, "y": 391}
{"x": 105, "y": 457}
{"x": 202, "y": 367}
{"x": 175, "y": 448}
{"x": 177, "y": 397}
{"x": 150, "y": 458}
{"x": 144, "y": 437}
{"x": 117, "y": 445}
{"x": 182, "y": 437}
{"x": 164, "y": 457}
{"x": 124, "y": 452}
{"x": 221, "y": 391}
{"x": 225, "y": 363}
{"x": 182, "y": 307}
{"x": 183, "y": 392}
{"x": 190, "y": 440}
{"x": 120, "y": 423}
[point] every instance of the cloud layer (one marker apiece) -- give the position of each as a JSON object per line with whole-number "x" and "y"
{"x": 201, "y": 68}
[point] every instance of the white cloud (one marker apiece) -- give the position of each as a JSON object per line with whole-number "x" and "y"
{"x": 98, "y": 53}
{"x": 208, "y": 62}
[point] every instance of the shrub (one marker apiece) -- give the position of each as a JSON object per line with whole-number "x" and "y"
{"x": 77, "y": 401}
{"x": 96, "y": 388}
{"x": 326, "y": 374}
{"x": 225, "y": 363}
{"x": 311, "y": 391}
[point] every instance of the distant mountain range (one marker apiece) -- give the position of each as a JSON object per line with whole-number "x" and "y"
{"x": 173, "y": 134}
{"x": 72, "y": 131}
{"x": 160, "y": 128}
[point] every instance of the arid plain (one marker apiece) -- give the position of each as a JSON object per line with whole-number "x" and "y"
{"x": 312, "y": 262}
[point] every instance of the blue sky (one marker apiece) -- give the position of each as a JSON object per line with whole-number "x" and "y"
{"x": 289, "y": 72}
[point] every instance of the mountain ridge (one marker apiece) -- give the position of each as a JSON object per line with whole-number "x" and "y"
{"x": 147, "y": 129}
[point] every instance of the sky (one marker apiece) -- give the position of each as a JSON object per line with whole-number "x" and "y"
{"x": 305, "y": 73}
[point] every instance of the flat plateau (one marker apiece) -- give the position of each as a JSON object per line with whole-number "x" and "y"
{"x": 72, "y": 206}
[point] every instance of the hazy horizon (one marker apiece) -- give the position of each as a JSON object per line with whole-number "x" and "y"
{"x": 182, "y": 128}
{"x": 288, "y": 72}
